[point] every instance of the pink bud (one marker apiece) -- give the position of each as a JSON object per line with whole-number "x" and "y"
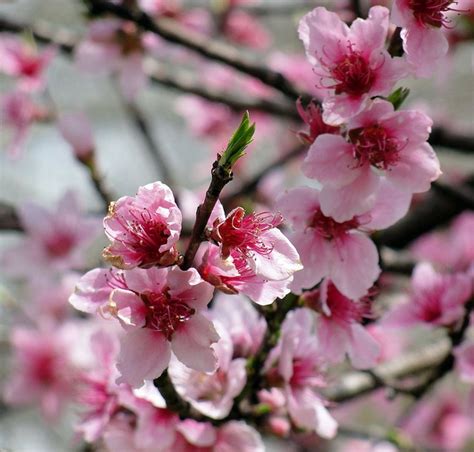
{"x": 77, "y": 131}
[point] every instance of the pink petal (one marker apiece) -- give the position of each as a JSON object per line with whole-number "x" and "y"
{"x": 416, "y": 169}
{"x": 356, "y": 198}
{"x": 144, "y": 355}
{"x": 364, "y": 350}
{"x": 129, "y": 307}
{"x": 391, "y": 205}
{"x": 355, "y": 267}
{"x": 330, "y": 160}
{"x": 192, "y": 344}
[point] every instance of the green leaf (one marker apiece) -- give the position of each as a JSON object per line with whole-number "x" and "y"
{"x": 241, "y": 138}
{"x": 398, "y": 97}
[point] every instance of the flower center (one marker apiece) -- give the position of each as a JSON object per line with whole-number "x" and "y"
{"x": 243, "y": 232}
{"x": 373, "y": 145}
{"x": 165, "y": 314}
{"x": 353, "y": 75}
{"x": 330, "y": 229}
{"x": 30, "y": 66}
{"x": 430, "y": 12}
{"x": 59, "y": 244}
{"x": 145, "y": 236}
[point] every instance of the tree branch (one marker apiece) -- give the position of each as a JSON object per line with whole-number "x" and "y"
{"x": 214, "y": 50}
{"x": 9, "y": 220}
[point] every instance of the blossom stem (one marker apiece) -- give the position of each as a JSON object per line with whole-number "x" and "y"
{"x": 220, "y": 177}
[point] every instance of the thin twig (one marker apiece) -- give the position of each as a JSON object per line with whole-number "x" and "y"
{"x": 214, "y": 50}
{"x": 220, "y": 178}
{"x": 9, "y": 220}
{"x": 141, "y": 125}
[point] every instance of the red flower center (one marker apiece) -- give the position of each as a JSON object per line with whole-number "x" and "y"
{"x": 329, "y": 228}
{"x": 243, "y": 232}
{"x": 353, "y": 75}
{"x": 165, "y": 314}
{"x": 375, "y": 146}
{"x": 431, "y": 12}
{"x": 30, "y": 66}
{"x": 145, "y": 235}
{"x": 59, "y": 244}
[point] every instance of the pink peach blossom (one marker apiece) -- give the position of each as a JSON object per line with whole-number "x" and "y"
{"x": 380, "y": 142}
{"x": 440, "y": 422}
{"x": 424, "y": 42}
{"x": 452, "y": 249}
{"x": 43, "y": 370}
{"x": 160, "y": 310}
{"x": 114, "y": 46}
{"x": 230, "y": 437}
{"x": 243, "y": 29}
{"x": 18, "y": 112}
{"x": 351, "y": 63}
{"x": 312, "y": 116}
{"x": 241, "y": 320}
{"x": 234, "y": 275}
{"x": 24, "y": 62}
{"x": 256, "y": 239}
{"x": 465, "y": 361}
{"x": 435, "y": 299}
{"x": 143, "y": 229}
{"x": 295, "y": 363}
{"x": 339, "y": 251}
{"x": 55, "y": 240}
{"x": 339, "y": 328}
{"x": 212, "y": 394}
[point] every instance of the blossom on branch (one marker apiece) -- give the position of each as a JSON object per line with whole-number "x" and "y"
{"x": 350, "y": 63}
{"x": 143, "y": 229}
{"x": 380, "y": 143}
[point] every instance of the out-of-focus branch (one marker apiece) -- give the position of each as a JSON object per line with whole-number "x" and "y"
{"x": 214, "y": 50}
{"x": 9, "y": 220}
{"x": 435, "y": 210}
{"x": 356, "y": 384}
{"x": 357, "y": 8}
{"x": 156, "y": 153}
{"x": 462, "y": 195}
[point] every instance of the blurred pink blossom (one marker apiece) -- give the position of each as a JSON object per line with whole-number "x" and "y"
{"x": 43, "y": 371}
{"x": 465, "y": 361}
{"x": 54, "y": 241}
{"x": 24, "y": 62}
{"x": 435, "y": 299}
{"x": 77, "y": 131}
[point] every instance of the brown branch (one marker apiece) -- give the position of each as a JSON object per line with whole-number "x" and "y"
{"x": 137, "y": 118}
{"x": 97, "y": 179}
{"x": 356, "y": 384}
{"x": 214, "y": 50}
{"x": 9, "y": 220}
{"x": 220, "y": 178}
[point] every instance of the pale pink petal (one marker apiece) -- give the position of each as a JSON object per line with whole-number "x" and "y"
{"x": 391, "y": 205}
{"x": 424, "y": 46}
{"x": 364, "y": 350}
{"x": 416, "y": 169}
{"x": 372, "y": 33}
{"x": 330, "y": 160}
{"x": 144, "y": 355}
{"x": 77, "y": 131}
{"x": 192, "y": 344}
{"x": 236, "y": 436}
{"x": 283, "y": 260}
{"x": 315, "y": 254}
{"x": 201, "y": 434}
{"x": 128, "y": 307}
{"x": 298, "y": 205}
{"x": 355, "y": 267}
{"x": 356, "y": 198}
